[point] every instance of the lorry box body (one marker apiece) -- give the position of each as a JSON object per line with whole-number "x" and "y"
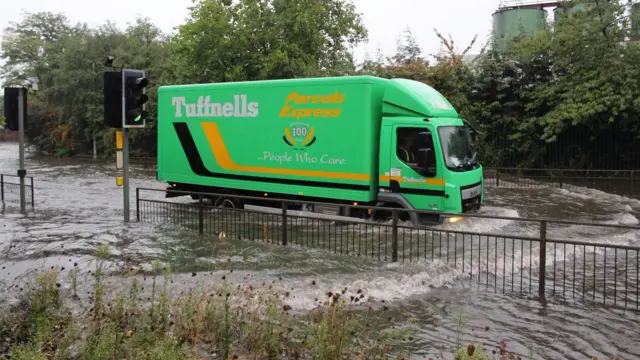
{"x": 328, "y": 139}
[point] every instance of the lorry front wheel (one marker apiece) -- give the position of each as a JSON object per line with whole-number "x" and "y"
{"x": 386, "y": 215}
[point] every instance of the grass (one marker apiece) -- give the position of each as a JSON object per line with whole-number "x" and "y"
{"x": 225, "y": 321}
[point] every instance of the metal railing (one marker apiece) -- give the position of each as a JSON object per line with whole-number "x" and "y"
{"x": 507, "y": 262}
{"x": 620, "y": 182}
{"x": 10, "y": 189}
{"x": 143, "y": 161}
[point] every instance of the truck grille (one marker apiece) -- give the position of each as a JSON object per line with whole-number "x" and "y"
{"x": 470, "y": 204}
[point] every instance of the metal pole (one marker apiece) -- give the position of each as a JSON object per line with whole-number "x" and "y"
{"x": 125, "y": 172}
{"x": 284, "y": 224}
{"x": 21, "y": 171}
{"x": 394, "y": 236}
{"x": 33, "y": 201}
{"x": 543, "y": 260}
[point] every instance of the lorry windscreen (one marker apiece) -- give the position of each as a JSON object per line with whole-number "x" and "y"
{"x": 457, "y": 147}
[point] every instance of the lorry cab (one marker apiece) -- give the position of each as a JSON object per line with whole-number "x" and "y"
{"x": 427, "y": 158}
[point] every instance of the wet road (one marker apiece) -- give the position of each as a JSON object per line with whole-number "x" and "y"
{"x": 79, "y": 206}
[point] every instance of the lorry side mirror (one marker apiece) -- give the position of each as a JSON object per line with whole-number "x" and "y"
{"x": 472, "y": 130}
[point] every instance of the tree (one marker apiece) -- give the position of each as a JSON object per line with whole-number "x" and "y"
{"x": 560, "y": 98}
{"x": 268, "y": 39}
{"x": 66, "y": 114}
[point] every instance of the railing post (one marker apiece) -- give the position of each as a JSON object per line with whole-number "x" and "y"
{"x": 33, "y": 201}
{"x": 497, "y": 178}
{"x": 138, "y": 204}
{"x": 1, "y": 187}
{"x": 200, "y": 215}
{"x": 284, "y": 223}
{"x": 543, "y": 258}
{"x": 394, "y": 236}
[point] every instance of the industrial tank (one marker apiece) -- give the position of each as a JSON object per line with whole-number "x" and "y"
{"x": 512, "y": 23}
{"x": 635, "y": 21}
{"x": 559, "y": 13}
{"x": 563, "y": 11}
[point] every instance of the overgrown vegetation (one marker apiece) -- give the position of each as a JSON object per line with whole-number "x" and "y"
{"x": 223, "y": 321}
{"x": 567, "y": 97}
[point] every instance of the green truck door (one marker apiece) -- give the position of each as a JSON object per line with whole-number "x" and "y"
{"x": 423, "y": 187}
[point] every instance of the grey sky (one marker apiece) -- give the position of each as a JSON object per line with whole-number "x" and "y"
{"x": 385, "y": 20}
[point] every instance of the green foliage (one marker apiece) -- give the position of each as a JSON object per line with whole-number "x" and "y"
{"x": 267, "y": 39}
{"x": 569, "y": 97}
{"x": 212, "y": 321}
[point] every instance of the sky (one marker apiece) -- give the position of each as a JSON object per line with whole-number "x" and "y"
{"x": 384, "y": 19}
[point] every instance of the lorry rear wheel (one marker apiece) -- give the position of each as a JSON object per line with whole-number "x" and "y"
{"x": 228, "y": 202}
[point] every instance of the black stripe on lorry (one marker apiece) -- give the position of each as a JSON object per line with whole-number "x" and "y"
{"x": 470, "y": 186}
{"x": 198, "y": 167}
{"x": 427, "y": 192}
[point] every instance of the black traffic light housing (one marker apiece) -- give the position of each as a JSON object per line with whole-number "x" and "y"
{"x": 134, "y": 83}
{"x": 113, "y": 99}
{"x": 11, "y": 96}
{"x": 125, "y": 99}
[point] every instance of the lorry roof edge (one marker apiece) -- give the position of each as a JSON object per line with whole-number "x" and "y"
{"x": 360, "y": 79}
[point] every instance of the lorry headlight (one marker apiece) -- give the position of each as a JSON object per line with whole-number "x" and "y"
{"x": 454, "y": 219}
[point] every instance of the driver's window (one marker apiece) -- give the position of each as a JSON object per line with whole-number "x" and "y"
{"x": 411, "y": 148}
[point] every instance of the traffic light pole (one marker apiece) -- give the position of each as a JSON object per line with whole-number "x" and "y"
{"x": 21, "y": 171}
{"x": 124, "y": 108}
{"x": 125, "y": 172}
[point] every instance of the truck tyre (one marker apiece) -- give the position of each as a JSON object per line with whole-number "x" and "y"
{"x": 385, "y": 216}
{"x": 227, "y": 200}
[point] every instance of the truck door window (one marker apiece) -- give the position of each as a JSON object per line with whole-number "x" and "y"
{"x": 410, "y": 143}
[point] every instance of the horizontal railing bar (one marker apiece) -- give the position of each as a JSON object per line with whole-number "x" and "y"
{"x": 366, "y": 207}
{"x": 15, "y": 176}
{"x": 597, "y": 245}
{"x": 432, "y": 229}
{"x": 16, "y": 184}
{"x": 559, "y": 169}
{"x": 425, "y": 212}
{"x": 564, "y": 178}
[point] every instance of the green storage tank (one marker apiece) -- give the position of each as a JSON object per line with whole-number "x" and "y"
{"x": 635, "y": 22}
{"x": 559, "y": 13}
{"x": 512, "y": 23}
{"x": 564, "y": 10}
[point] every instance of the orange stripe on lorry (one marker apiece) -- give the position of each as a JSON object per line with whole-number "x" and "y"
{"x": 221, "y": 154}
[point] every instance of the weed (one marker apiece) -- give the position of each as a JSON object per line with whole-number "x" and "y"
{"x": 219, "y": 320}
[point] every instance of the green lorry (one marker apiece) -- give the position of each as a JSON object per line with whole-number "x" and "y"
{"x": 339, "y": 140}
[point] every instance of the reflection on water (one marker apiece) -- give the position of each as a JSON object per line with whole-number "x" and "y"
{"x": 79, "y": 206}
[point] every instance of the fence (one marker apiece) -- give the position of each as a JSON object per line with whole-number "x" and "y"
{"x": 145, "y": 162}
{"x": 620, "y": 182}
{"x": 507, "y": 262}
{"x": 10, "y": 189}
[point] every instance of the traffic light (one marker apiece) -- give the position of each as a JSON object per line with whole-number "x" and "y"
{"x": 135, "y": 98}
{"x": 11, "y": 107}
{"x": 113, "y": 99}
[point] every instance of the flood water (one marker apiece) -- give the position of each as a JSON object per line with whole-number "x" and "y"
{"x": 78, "y": 206}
